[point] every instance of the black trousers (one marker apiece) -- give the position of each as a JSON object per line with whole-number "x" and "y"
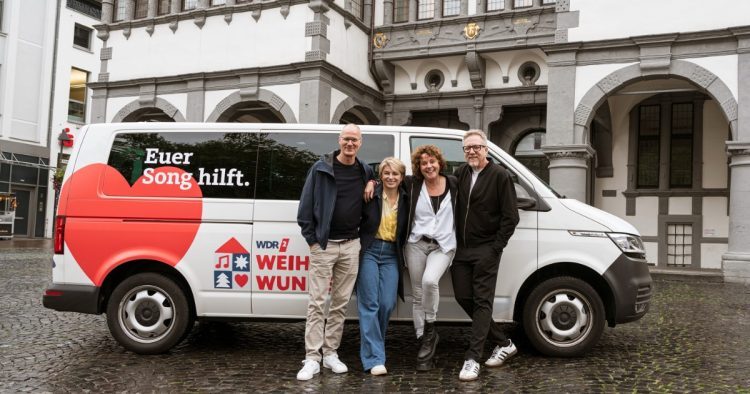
{"x": 474, "y": 275}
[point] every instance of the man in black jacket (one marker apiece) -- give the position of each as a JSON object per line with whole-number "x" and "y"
{"x": 486, "y": 217}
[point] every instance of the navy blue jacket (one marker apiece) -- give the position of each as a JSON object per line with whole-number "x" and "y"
{"x": 319, "y": 197}
{"x": 371, "y": 223}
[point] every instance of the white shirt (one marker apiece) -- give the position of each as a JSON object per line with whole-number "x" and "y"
{"x": 438, "y": 226}
{"x": 474, "y": 176}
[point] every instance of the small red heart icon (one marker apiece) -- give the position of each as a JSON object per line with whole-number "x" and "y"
{"x": 110, "y": 223}
{"x": 241, "y": 279}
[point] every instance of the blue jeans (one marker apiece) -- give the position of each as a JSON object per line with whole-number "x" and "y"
{"x": 377, "y": 287}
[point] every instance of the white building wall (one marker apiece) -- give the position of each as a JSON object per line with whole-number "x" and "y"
{"x": 601, "y": 20}
{"x": 217, "y": 46}
{"x": 349, "y": 49}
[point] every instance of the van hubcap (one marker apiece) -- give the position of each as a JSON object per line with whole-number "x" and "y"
{"x": 146, "y": 314}
{"x": 564, "y": 317}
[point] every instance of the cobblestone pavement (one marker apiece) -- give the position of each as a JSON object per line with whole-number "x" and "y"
{"x": 695, "y": 338}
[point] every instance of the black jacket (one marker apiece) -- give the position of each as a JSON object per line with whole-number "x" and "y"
{"x": 413, "y": 187}
{"x": 371, "y": 222}
{"x": 489, "y": 215}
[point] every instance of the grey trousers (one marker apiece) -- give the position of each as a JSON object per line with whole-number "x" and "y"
{"x": 426, "y": 264}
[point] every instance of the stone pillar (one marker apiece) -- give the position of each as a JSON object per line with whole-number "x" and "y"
{"x": 203, "y": 4}
{"x": 108, "y": 11}
{"x": 196, "y": 99}
{"x": 99, "y": 105}
{"x": 176, "y": 6}
{"x": 412, "y": 11}
{"x": 438, "y": 9}
{"x": 736, "y": 262}
{"x": 129, "y": 10}
{"x": 568, "y": 156}
{"x": 367, "y": 12}
{"x": 464, "y": 7}
{"x": 152, "y": 8}
{"x": 568, "y": 169}
{"x": 315, "y": 95}
{"x": 387, "y": 12}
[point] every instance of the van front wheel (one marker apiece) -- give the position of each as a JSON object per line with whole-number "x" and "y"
{"x": 148, "y": 313}
{"x": 563, "y": 317}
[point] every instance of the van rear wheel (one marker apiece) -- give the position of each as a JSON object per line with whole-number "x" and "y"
{"x": 563, "y": 317}
{"x": 148, "y": 313}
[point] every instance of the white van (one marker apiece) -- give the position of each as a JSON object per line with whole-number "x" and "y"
{"x": 162, "y": 223}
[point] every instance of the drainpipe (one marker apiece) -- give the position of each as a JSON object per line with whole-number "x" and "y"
{"x": 54, "y": 75}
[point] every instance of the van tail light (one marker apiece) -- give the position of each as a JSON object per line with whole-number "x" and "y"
{"x": 59, "y": 235}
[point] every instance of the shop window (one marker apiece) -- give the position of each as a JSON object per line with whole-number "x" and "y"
{"x": 425, "y": 9}
{"x": 82, "y": 37}
{"x": 451, "y": 7}
{"x": 77, "y": 96}
{"x": 400, "y": 11}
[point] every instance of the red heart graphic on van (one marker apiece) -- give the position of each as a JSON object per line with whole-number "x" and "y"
{"x": 110, "y": 222}
{"x": 241, "y": 279}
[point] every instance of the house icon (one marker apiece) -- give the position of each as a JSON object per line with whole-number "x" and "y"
{"x": 232, "y": 260}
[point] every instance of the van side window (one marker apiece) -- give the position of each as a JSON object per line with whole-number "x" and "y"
{"x": 223, "y": 164}
{"x": 285, "y": 158}
{"x": 452, "y": 150}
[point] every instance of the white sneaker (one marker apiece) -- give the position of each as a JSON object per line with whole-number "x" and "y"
{"x": 378, "y": 370}
{"x": 310, "y": 369}
{"x": 470, "y": 371}
{"x": 500, "y": 354}
{"x": 333, "y": 363}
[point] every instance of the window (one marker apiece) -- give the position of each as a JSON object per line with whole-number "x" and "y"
{"x": 452, "y": 150}
{"x": 679, "y": 244}
{"x": 425, "y": 9}
{"x": 82, "y": 36}
{"x": 548, "y": 1}
{"x": 528, "y": 151}
{"x": 218, "y": 2}
{"x": 356, "y": 8}
{"x": 495, "y": 5}
{"x": 223, "y": 164}
{"x": 120, "y": 14}
{"x": 522, "y": 3}
{"x": 285, "y": 158}
{"x": 649, "y": 121}
{"x": 451, "y": 7}
{"x": 681, "y": 146}
{"x": 92, "y": 8}
{"x": 401, "y": 11}
{"x": 433, "y": 80}
{"x": 163, "y": 7}
{"x": 141, "y": 9}
{"x": 2, "y": 5}
{"x": 189, "y": 5}
{"x": 77, "y": 96}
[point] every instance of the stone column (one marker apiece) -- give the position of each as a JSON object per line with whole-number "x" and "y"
{"x": 315, "y": 95}
{"x": 152, "y": 8}
{"x": 412, "y": 11}
{"x": 196, "y": 98}
{"x": 736, "y": 262}
{"x": 99, "y": 105}
{"x": 568, "y": 155}
{"x": 129, "y": 10}
{"x": 108, "y": 11}
{"x": 176, "y": 6}
{"x": 387, "y": 12}
{"x": 568, "y": 169}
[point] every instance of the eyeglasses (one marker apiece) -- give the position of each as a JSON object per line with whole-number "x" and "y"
{"x": 347, "y": 140}
{"x": 475, "y": 148}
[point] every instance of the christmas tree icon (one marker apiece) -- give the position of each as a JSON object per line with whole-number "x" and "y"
{"x": 221, "y": 280}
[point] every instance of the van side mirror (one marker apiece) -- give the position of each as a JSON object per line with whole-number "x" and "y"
{"x": 523, "y": 198}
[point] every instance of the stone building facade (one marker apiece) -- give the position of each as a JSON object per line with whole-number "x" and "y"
{"x": 622, "y": 105}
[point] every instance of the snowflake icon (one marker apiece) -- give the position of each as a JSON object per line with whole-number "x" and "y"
{"x": 241, "y": 262}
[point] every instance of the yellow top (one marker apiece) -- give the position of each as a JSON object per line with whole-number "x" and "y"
{"x": 388, "y": 220}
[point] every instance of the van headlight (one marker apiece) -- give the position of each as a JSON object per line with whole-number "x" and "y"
{"x": 628, "y": 243}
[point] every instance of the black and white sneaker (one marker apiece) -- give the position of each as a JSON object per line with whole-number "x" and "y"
{"x": 500, "y": 354}
{"x": 470, "y": 371}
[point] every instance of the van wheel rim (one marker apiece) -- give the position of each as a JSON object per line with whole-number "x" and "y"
{"x": 564, "y": 318}
{"x": 146, "y": 314}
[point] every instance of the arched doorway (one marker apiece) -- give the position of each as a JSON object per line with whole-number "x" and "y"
{"x": 528, "y": 151}
{"x": 149, "y": 114}
{"x": 358, "y": 115}
{"x": 251, "y": 112}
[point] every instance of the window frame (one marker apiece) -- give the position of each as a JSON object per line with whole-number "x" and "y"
{"x": 455, "y": 4}
{"x": 184, "y": 4}
{"x": 89, "y": 31}
{"x": 500, "y": 8}
{"x": 84, "y": 103}
{"x": 423, "y": 7}
{"x": 167, "y": 4}
{"x": 404, "y": 8}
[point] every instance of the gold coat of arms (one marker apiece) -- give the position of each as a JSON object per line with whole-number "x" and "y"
{"x": 471, "y": 31}
{"x": 379, "y": 40}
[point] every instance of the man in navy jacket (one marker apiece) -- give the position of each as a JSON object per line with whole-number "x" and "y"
{"x": 329, "y": 215}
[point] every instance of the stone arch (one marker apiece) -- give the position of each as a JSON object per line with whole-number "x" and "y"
{"x": 348, "y": 104}
{"x": 159, "y": 103}
{"x": 697, "y": 75}
{"x": 262, "y": 95}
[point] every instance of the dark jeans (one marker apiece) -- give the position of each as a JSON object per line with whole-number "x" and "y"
{"x": 474, "y": 274}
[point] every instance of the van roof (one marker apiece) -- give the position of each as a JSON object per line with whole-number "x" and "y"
{"x": 198, "y": 126}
